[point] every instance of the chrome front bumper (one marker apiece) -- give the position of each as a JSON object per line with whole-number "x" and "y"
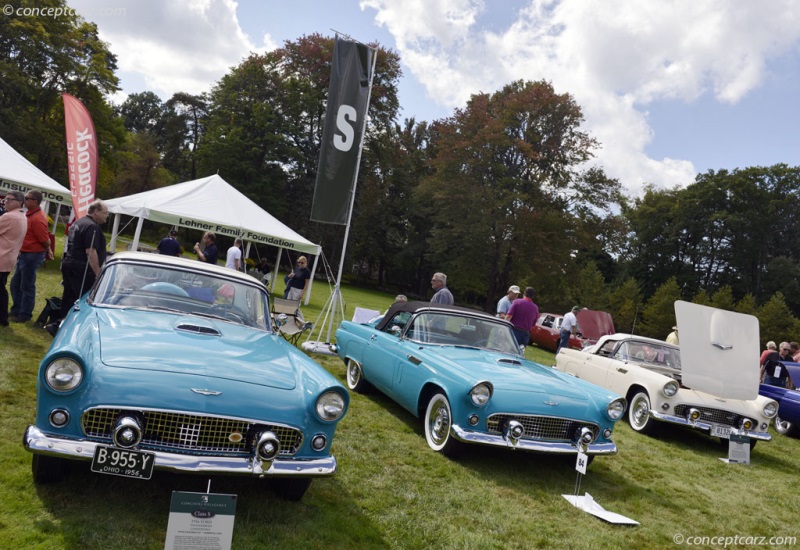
{"x": 37, "y": 442}
{"x": 498, "y": 440}
{"x": 706, "y": 426}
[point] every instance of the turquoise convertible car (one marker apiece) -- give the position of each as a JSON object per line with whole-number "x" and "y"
{"x": 463, "y": 373}
{"x": 173, "y": 364}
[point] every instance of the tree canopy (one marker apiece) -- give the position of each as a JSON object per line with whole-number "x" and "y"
{"x": 498, "y": 193}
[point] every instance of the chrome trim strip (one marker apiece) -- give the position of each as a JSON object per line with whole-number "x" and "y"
{"x": 468, "y": 436}
{"x": 706, "y": 426}
{"x": 37, "y": 442}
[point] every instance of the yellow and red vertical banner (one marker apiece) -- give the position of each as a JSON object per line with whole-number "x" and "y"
{"x": 81, "y": 154}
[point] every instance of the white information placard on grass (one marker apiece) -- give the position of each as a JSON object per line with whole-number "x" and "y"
{"x": 200, "y": 521}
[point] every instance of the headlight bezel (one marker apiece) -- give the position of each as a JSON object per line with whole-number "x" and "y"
{"x": 330, "y": 406}
{"x": 481, "y": 393}
{"x": 670, "y": 389}
{"x": 616, "y": 409}
{"x": 69, "y": 369}
{"x": 774, "y": 406}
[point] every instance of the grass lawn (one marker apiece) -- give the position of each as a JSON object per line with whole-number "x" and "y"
{"x": 392, "y": 491}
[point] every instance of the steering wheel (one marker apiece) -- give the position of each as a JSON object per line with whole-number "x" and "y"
{"x": 232, "y": 312}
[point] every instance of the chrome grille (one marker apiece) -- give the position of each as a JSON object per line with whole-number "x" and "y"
{"x": 190, "y": 433}
{"x": 714, "y": 416}
{"x": 543, "y": 428}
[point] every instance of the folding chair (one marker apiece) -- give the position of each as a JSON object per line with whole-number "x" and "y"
{"x": 288, "y": 319}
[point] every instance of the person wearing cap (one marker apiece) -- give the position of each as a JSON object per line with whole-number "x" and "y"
{"x": 169, "y": 245}
{"x": 569, "y": 326}
{"x": 505, "y": 302}
{"x": 12, "y": 232}
{"x": 672, "y": 337}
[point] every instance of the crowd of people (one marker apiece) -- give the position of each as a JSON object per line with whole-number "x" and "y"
{"x": 773, "y": 372}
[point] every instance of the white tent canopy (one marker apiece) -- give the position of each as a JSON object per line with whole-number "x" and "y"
{"x": 18, "y": 174}
{"x": 210, "y": 204}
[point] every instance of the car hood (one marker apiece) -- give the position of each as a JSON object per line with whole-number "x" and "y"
{"x": 144, "y": 340}
{"x": 508, "y": 373}
{"x": 594, "y": 324}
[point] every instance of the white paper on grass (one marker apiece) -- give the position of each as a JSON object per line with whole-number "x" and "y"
{"x": 719, "y": 351}
{"x": 587, "y": 504}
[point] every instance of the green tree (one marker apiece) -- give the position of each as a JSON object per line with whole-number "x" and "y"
{"x": 41, "y": 58}
{"x": 776, "y": 321}
{"x": 626, "y": 305}
{"x": 659, "y": 311}
{"x": 505, "y": 189}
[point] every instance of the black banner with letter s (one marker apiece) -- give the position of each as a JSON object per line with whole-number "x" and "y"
{"x": 348, "y": 99}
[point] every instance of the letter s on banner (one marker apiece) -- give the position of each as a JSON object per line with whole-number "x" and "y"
{"x": 346, "y": 112}
{"x": 348, "y": 99}
{"x": 82, "y": 168}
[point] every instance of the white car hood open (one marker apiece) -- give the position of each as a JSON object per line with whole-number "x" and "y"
{"x": 719, "y": 350}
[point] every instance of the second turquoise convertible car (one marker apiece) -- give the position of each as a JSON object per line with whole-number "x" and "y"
{"x": 462, "y": 372}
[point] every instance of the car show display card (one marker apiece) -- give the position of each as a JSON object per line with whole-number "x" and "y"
{"x": 738, "y": 450}
{"x": 200, "y": 521}
{"x": 587, "y": 504}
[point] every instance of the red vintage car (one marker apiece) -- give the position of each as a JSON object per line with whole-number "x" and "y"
{"x": 591, "y": 326}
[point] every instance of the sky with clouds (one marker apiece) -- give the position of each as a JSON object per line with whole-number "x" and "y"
{"x": 670, "y": 88}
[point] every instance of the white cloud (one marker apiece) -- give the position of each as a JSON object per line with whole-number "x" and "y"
{"x": 185, "y": 46}
{"x": 615, "y": 57}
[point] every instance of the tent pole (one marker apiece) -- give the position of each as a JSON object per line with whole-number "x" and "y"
{"x": 311, "y": 281}
{"x": 137, "y": 234}
{"x": 114, "y": 232}
{"x": 275, "y": 270}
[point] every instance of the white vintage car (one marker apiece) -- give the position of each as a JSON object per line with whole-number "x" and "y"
{"x": 648, "y": 373}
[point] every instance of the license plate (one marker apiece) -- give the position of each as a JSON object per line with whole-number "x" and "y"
{"x": 721, "y": 431}
{"x": 123, "y": 462}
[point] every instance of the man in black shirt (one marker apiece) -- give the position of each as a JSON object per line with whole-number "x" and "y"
{"x": 169, "y": 245}
{"x": 209, "y": 254}
{"x": 85, "y": 255}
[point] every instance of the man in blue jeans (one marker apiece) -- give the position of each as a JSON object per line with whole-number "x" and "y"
{"x": 569, "y": 326}
{"x": 35, "y": 248}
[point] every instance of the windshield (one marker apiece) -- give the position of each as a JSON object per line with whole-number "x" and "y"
{"x": 452, "y": 329}
{"x": 178, "y": 290}
{"x": 648, "y": 354}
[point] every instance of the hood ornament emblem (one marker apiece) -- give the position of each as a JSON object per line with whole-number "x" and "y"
{"x": 206, "y": 392}
{"x": 550, "y": 403}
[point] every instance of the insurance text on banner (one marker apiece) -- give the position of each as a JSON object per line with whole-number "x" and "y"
{"x": 348, "y": 99}
{"x": 81, "y": 154}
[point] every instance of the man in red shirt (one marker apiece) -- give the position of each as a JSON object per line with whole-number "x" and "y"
{"x": 35, "y": 248}
{"x": 523, "y": 314}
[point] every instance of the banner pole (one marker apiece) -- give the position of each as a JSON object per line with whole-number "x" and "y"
{"x": 336, "y": 290}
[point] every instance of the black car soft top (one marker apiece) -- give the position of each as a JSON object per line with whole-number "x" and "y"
{"x": 413, "y": 307}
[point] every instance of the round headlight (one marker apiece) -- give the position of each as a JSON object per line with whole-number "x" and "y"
{"x": 63, "y": 374}
{"x": 481, "y": 393}
{"x": 616, "y": 409}
{"x": 330, "y": 406}
{"x": 670, "y": 388}
{"x": 771, "y": 409}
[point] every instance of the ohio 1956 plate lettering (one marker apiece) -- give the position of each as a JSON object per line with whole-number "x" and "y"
{"x": 123, "y": 462}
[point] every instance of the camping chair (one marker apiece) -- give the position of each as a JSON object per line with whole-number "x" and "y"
{"x": 288, "y": 319}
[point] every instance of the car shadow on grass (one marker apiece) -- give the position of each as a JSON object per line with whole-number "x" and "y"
{"x": 91, "y": 510}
